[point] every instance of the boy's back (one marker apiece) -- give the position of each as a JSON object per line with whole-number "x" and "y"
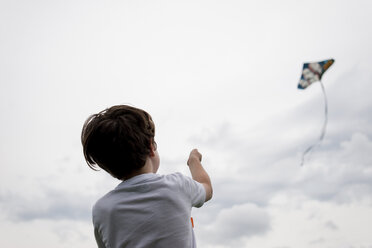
{"x": 148, "y": 210}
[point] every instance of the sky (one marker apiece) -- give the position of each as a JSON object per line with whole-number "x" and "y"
{"x": 220, "y": 76}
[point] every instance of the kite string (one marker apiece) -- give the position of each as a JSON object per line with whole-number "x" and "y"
{"x": 322, "y": 134}
{"x": 325, "y": 113}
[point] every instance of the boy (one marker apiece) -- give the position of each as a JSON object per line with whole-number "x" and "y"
{"x": 145, "y": 209}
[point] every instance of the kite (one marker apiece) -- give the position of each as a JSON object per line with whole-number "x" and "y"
{"x": 311, "y": 73}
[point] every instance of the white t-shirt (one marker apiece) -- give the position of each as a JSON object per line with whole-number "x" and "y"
{"x": 148, "y": 211}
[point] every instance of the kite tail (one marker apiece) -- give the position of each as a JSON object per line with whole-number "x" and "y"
{"x": 323, "y": 129}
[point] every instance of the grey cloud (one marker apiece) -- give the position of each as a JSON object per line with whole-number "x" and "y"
{"x": 317, "y": 241}
{"x": 258, "y": 166}
{"x": 53, "y": 205}
{"x": 232, "y": 225}
{"x": 337, "y": 170}
{"x": 341, "y": 175}
{"x": 331, "y": 225}
{"x": 241, "y": 191}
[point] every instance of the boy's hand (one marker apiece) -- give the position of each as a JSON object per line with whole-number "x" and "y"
{"x": 195, "y": 157}
{"x": 199, "y": 174}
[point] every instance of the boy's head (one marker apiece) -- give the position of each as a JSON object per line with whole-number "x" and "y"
{"x": 118, "y": 140}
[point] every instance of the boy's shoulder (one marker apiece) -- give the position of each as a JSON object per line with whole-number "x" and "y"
{"x": 140, "y": 184}
{"x": 175, "y": 186}
{"x": 177, "y": 176}
{"x": 137, "y": 183}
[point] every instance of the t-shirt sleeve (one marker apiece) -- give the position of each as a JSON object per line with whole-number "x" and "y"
{"x": 193, "y": 189}
{"x": 97, "y": 234}
{"x": 99, "y": 241}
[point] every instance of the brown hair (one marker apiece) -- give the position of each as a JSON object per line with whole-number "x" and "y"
{"x": 118, "y": 140}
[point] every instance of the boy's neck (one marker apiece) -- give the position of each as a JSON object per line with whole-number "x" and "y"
{"x": 147, "y": 168}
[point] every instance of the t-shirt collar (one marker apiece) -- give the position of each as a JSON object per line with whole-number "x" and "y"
{"x": 137, "y": 179}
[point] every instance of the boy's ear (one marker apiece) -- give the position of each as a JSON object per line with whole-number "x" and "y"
{"x": 153, "y": 148}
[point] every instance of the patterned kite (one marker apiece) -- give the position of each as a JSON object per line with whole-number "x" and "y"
{"x": 311, "y": 73}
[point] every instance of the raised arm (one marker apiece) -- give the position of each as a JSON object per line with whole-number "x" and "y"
{"x": 198, "y": 173}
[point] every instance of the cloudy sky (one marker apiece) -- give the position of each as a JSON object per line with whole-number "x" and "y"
{"x": 220, "y": 76}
